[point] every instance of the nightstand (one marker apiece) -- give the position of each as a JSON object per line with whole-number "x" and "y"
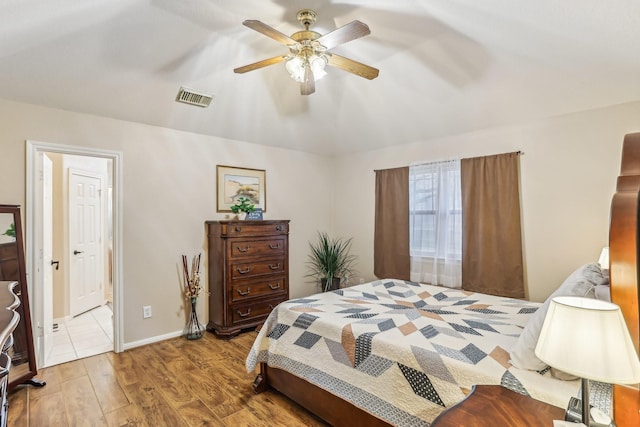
{"x": 494, "y": 405}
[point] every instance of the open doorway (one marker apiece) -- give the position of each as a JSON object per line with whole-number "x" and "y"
{"x": 73, "y": 248}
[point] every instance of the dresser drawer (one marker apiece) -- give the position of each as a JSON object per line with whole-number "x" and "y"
{"x": 241, "y": 270}
{"x": 259, "y": 310}
{"x": 254, "y": 228}
{"x": 242, "y": 248}
{"x": 248, "y": 289}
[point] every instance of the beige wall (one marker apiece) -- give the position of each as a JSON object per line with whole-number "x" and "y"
{"x": 568, "y": 174}
{"x": 169, "y": 191}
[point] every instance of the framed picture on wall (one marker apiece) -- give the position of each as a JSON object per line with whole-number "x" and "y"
{"x": 234, "y": 182}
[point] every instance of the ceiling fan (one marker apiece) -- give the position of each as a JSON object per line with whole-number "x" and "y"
{"x": 309, "y": 51}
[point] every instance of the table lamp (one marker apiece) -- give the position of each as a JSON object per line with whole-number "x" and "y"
{"x": 588, "y": 338}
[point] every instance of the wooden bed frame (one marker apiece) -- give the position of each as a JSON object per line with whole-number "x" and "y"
{"x": 623, "y": 254}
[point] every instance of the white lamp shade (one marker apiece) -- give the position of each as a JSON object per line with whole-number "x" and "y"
{"x": 588, "y": 338}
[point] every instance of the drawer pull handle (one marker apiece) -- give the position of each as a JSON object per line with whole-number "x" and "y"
{"x": 273, "y": 288}
{"x": 279, "y": 227}
{"x": 245, "y": 249}
{"x": 247, "y": 292}
{"x": 241, "y": 271}
{"x": 241, "y": 314}
{"x": 276, "y": 246}
{"x": 238, "y": 229}
{"x": 274, "y": 267}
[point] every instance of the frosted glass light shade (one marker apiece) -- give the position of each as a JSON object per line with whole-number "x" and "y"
{"x": 295, "y": 67}
{"x": 588, "y": 338}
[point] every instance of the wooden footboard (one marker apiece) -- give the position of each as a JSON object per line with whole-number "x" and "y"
{"x": 329, "y": 407}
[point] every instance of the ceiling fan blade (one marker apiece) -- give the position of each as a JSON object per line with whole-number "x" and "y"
{"x": 352, "y": 66}
{"x": 346, "y": 33}
{"x": 260, "y": 64}
{"x": 309, "y": 85}
{"x": 269, "y": 31}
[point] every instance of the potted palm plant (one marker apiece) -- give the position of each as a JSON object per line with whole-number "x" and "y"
{"x": 330, "y": 261}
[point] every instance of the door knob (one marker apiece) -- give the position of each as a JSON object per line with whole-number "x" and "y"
{"x": 77, "y": 252}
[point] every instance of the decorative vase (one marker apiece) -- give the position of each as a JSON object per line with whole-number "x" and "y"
{"x": 194, "y": 329}
{"x": 335, "y": 284}
{"x": 241, "y": 216}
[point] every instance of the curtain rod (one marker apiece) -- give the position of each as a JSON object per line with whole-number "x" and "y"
{"x": 519, "y": 153}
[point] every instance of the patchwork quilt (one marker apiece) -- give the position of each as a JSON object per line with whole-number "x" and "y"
{"x": 403, "y": 351}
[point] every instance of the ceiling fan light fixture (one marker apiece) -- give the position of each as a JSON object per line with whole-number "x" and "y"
{"x": 309, "y": 51}
{"x": 296, "y": 65}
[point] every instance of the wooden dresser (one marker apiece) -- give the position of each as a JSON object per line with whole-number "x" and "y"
{"x": 248, "y": 267}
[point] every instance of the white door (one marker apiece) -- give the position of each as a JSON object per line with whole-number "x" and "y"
{"x": 44, "y": 271}
{"x": 85, "y": 242}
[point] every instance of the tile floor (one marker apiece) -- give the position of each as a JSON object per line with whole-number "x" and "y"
{"x": 85, "y": 335}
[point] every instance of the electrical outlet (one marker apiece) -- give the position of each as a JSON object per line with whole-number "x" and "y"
{"x": 146, "y": 311}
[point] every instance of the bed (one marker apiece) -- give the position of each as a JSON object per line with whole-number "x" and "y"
{"x": 393, "y": 352}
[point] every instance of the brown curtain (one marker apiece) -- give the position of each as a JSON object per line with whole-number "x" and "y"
{"x": 491, "y": 235}
{"x": 391, "y": 236}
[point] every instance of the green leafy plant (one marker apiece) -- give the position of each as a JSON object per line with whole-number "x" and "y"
{"x": 330, "y": 259}
{"x": 11, "y": 231}
{"x": 242, "y": 204}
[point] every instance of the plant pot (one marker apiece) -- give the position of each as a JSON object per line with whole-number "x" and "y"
{"x": 335, "y": 284}
{"x": 240, "y": 216}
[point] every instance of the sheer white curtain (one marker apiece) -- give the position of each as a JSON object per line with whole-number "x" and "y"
{"x": 435, "y": 223}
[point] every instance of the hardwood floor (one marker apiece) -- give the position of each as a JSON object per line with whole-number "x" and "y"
{"x": 172, "y": 383}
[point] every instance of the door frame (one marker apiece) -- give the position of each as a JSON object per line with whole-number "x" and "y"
{"x": 32, "y": 150}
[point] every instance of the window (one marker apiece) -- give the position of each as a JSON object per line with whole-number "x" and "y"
{"x": 435, "y": 208}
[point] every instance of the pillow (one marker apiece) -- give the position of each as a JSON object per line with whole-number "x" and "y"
{"x": 603, "y": 292}
{"x": 580, "y": 283}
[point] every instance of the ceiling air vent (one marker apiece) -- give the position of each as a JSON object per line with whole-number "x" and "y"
{"x": 190, "y": 96}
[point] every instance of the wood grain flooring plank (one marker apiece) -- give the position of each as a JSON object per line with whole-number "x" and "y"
{"x": 47, "y": 411}
{"x": 110, "y": 395}
{"x": 81, "y": 403}
{"x": 197, "y": 414}
{"x": 211, "y": 391}
{"x": 124, "y": 367}
{"x": 51, "y": 377}
{"x": 271, "y": 405}
{"x": 245, "y": 418}
{"x": 156, "y": 410}
{"x": 127, "y": 416}
{"x": 18, "y": 416}
{"x": 169, "y": 349}
{"x": 163, "y": 374}
{"x": 70, "y": 370}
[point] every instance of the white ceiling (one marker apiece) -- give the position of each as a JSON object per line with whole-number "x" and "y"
{"x": 446, "y": 66}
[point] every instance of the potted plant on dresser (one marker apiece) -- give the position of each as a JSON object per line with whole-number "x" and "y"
{"x": 242, "y": 207}
{"x": 330, "y": 261}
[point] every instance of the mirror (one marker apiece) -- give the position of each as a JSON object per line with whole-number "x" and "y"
{"x": 12, "y": 268}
